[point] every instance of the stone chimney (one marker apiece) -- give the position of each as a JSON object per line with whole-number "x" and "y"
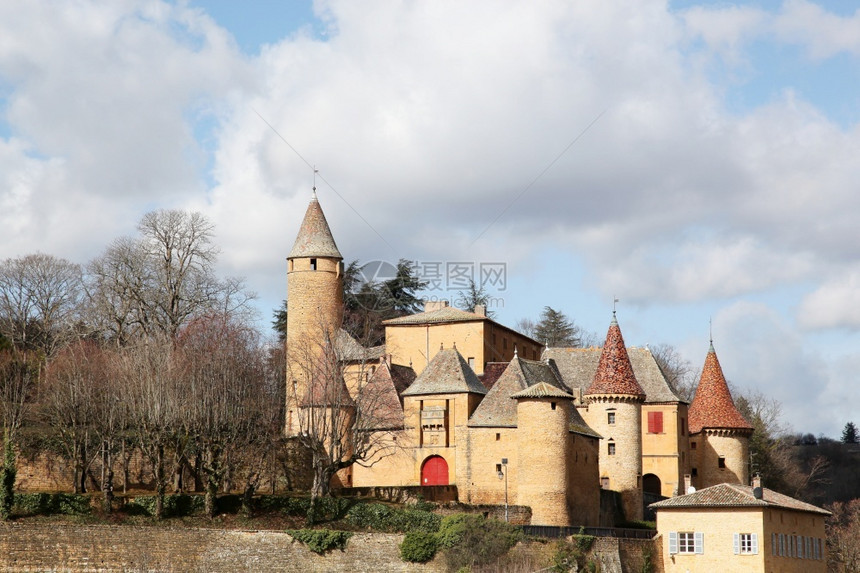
{"x": 431, "y": 305}
{"x": 480, "y": 310}
{"x": 688, "y": 484}
{"x": 758, "y": 492}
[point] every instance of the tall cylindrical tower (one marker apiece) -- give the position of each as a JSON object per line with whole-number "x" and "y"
{"x": 719, "y": 434}
{"x": 314, "y": 304}
{"x": 615, "y": 412}
{"x": 543, "y": 425}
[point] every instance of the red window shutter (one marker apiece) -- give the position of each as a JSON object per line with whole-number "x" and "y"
{"x": 655, "y": 422}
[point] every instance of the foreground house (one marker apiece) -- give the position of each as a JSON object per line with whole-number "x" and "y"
{"x": 743, "y": 529}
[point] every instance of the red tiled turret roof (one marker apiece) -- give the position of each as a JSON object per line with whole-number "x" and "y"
{"x": 614, "y": 372}
{"x": 713, "y": 406}
{"x": 314, "y": 238}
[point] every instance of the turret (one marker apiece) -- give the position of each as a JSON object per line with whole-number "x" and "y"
{"x": 719, "y": 434}
{"x": 615, "y": 412}
{"x": 314, "y": 303}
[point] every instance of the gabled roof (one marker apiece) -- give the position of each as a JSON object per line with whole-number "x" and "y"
{"x": 522, "y": 378}
{"x": 492, "y": 372}
{"x": 712, "y": 405}
{"x": 447, "y": 373}
{"x": 380, "y": 397}
{"x": 349, "y": 350}
{"x": 735, "y": 495}
{"x": 542, "y": 390}
{"x": 577, "y": 367}
{"x": 497, "y": 409}
{"x": 441, "y": 315}
{"x": 614, "y": 373}
{"x": 314, "y": 238}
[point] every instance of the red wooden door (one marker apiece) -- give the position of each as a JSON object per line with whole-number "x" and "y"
{"x": 434, "y": 471}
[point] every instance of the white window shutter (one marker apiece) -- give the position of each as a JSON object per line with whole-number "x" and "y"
{"x": 673, "y": 542}
{"x": 699, "y": 542}
{"x": 737, "y": 543}
{"x": 800, "y": 546}
{"x": 755, "y": 543}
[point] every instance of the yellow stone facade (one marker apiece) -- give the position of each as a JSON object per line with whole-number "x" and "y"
{"x": 720, "y": 456}
{"x": 719, "y": 528}
{"x": 552, "y": 464}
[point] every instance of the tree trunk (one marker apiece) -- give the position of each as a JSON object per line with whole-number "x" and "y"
{"x": 159, "y": 482}
{"x": 7, "y": 479}
{"x": 213, "y": 478}
{"x": 107, "y": 477}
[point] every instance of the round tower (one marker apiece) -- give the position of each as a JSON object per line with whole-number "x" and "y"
{"x": 719, "y": 434}
{"x": 543, "y": 425}
{"x": 615, "y": 412}
{"x": 314, "y": 302}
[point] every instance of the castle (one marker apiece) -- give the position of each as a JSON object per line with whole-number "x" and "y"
{"x": 468, "y": 402}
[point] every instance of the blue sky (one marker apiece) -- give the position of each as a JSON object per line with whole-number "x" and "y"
{"x": 697, "y": 160}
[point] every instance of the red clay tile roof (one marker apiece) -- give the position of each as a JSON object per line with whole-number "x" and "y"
{"x": 712, "y": 405}
{"x": 314, "y": 238}
{"x": 735, "y": 495}
{"x": 491, "y": 374}
{"x": 614, "y": 372}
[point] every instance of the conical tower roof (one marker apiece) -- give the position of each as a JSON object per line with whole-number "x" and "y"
{"x": 314, "y": 238}
{"x": 713, "y": 406}
{"x": 614, "y": 372}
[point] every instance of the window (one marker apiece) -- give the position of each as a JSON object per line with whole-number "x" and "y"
{"x": 604, "y": 482}
{"x": 694, "y": 472}
{"x": 686, "y": 542}
{"x": 746, "y": 544}
{"x": 611, "y": 449}
{"x": 313, "y": 264}
{"x": 692, "y": 445}
{"x": 610, "y": 418}
{"x": 773, "y": 543}
{"x": 683, "y": 427}
{"x": 721, "y": 462}
{"x": 655, "y": 422}
{"x": 552, "y": 404}
{"x": 498, "y": 436}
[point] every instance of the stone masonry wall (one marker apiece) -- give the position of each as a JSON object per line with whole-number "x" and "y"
{"x": 32, "y": 547}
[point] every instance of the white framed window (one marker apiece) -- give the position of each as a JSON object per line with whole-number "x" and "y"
{"x": 610, "y": 418}
{"x": 686, "y": 542}
{"x": 746, "y": 544}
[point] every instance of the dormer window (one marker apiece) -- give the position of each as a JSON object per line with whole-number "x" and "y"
{"x": 313, "y": 264}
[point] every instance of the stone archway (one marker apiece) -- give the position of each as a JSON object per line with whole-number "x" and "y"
{"x": 434, "y": 471}
{"x": 651, "y": 484}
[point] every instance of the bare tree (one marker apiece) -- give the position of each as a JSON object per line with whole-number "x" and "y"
{"x": 679, "y": 372}
{"x": 161, "y": 280}
{"x": 339, "y": 425}
{"x": 222, "y": 378}
{"x": 147, "y": 371}
{"x": 40, "y": 301}
{"x": 526, "y": 326}
{"x": 843, "y": 537}
{"x": 69, "y": 402}
{"x": 19, "y": 371}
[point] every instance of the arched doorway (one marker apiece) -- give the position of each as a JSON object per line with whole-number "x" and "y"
{"x": 651, "y": 484}
{"x": 434, "y": 471}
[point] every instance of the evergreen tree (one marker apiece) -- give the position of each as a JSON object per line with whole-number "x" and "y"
{"x": 555, "y": 329}
{"x": 474, "y": 296}
{"x": 849, "y": 434}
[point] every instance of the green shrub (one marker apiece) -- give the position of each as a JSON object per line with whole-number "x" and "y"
{"x": 471, "y": 540}
{"x": 176, "y": 505}
{"x": 321, "y": 540}
{"x": 52, "y": 504}
{"x": 294, "y": 506}
{"x": 638, "y": 525}
{"x": 381, "y": 517}
{"x": 418, "y": 547}
{"x": 568, "y": 553}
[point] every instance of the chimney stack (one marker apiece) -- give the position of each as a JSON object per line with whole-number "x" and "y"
{"x": 688, "y": 484}
{"x": 481, "y": 310}
{"x": 758, "y": 492}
